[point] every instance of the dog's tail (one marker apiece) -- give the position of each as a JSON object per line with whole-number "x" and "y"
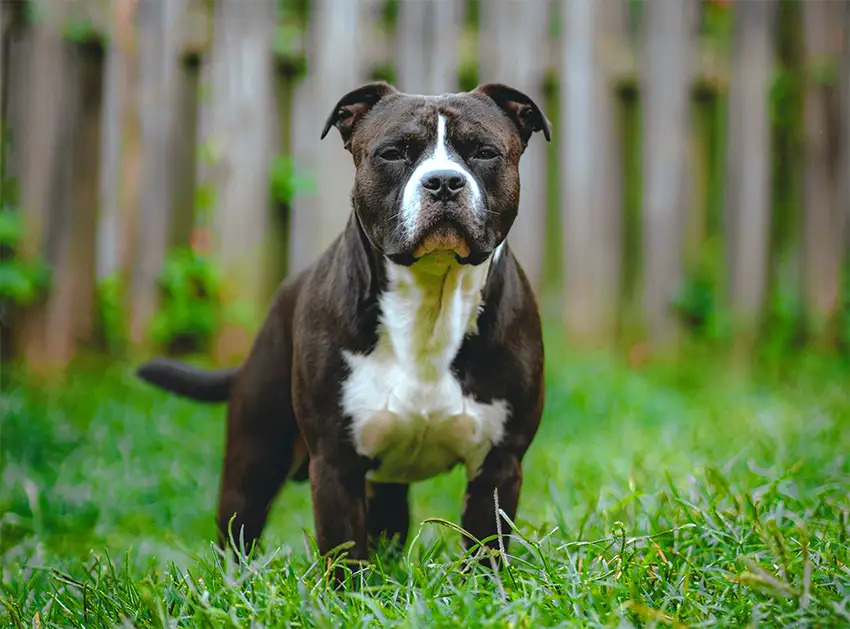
{"x": 191, "y": 382}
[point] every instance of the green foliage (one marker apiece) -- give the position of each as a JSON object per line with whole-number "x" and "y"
{"x": 697, "y": 305}
{"x": 717, "y": 21}
{"x": 467, "y": 76}
{"x": 190, "y": 308}
{"x": 287, "y": 180}
{"x": 650, "y": 498}
{"x": 389, "y": 13}
{"x": 783, "y": 331}
{"x": 297, "y": 10}
{"x": 205, "y": 199}
{"x": 785, "y": 94}
{"x": 34, "y": 12}
{"x": 112, "y": 313}
{"x": 384, "y": 72}
{"x": 81, "y": 30}
{"x": 242, "y": 313}
{"x": 206, "y": 193}
{"x": 21, "y": 282}
{"x": 289, "y": 41}
{"x": 286, "y": 38}
{"x": 844, "y": 311}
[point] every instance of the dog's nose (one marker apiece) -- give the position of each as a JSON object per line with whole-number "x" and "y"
{"x": 444, "y": 184}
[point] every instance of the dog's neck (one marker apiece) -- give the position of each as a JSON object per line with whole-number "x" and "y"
{"x": 426, "y": 311}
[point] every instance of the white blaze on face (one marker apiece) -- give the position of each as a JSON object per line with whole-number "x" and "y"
{"x": 439, "y": 160}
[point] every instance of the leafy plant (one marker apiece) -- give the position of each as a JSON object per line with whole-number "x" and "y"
{"x": 112, "y": 312}
{"x": 21, "y": 281}
{"x": 190, "y": 310}
{"x": 783, "y": 332}
{"x": 81, "y": 30}
{"x": 717, "y": 20}
{"x": 697, "y": 306}
{"x": 287, "y": 180}
{"x": 844, "y": 312}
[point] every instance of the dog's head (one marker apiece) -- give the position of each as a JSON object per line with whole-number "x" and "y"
{"x": 436, "y": 173}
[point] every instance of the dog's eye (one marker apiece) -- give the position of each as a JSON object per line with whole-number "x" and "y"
{"x": 486, "y": 152}
{"x": 392, "y": 154}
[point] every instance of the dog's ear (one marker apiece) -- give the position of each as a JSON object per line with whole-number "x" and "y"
{"x": 526, "y": 115}
{"x": 353, "y": 106}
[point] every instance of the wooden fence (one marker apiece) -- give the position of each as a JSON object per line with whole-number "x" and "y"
{"x": 682, "y": 152}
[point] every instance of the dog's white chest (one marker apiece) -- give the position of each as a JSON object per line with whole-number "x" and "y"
{"x": 407, "y": 409}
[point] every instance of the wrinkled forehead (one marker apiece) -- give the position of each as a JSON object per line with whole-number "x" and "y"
{"x": 468, "y": 119}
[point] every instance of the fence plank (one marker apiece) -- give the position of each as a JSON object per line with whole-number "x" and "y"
{"x": 5, "y": 20}
{"x": 336, "y": 62}
{"x": 120, "y": 147}
{"x": 668, "y": 56}
{"x": 43, "y": 124}
{"x": 822, "y": 231}
{"x": 159, "y": 48}
{"x": 46, "y": 337}
{"x": 845, "y": 169}
{"x": 185, "y": 133}
{"x": 748, "y": 162}
{"x": 239, "y": 140}
{"x": 111, "y": 145}
{"x": 13, "y": 62}
{"x": 59, "y": 188}
{"x": 523, "y": 66}
{"x": 427, "y": 38}
{"x": 84, "y": 159}
{"x": 590, "y": 170}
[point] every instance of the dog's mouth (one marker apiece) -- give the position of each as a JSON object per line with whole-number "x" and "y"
{"x": 443, "y": 237}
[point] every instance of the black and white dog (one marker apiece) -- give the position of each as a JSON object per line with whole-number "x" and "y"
{"x": 411, "y": 346}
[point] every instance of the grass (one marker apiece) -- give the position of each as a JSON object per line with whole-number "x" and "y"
{"x": 660, "y": 497}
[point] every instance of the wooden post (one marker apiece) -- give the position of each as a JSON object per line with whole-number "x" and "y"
{"x": 823, "y": 218}
{"x": 12, "y": 41}
{"x": 239, "y": 139}
{"x": 44, "y": 340}
{"x": 59, "y": 188}
{"x": 666, "y": 70}
{"x": 523, "y": 66}
{"x": 590, "y": 171}
{"x": 43, "y": 123}
{"x": 120, "y": 163}
{"x": 335, "y": 62}
{"x": 84, "y": 159}
{"x": 5, "y": 19}
{"x": 748, "y": 164}
{"x": 427, "y": 45}
{"x": 185, "y": 134}
{"x": 158, "y": 75}
{"x": 844, "y": 188}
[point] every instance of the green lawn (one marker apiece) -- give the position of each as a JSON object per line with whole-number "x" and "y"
{"x": 665, "y": 496}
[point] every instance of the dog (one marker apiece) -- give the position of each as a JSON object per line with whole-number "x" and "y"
{"x": 412, "y": 345}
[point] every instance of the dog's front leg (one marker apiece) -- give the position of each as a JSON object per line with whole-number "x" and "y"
{"x": 387, "y": 513}
{"x": 339, "y": 506}
{"x": 502, "y": 473}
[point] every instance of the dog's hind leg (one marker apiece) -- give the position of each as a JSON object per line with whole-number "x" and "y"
{"x": 262, "y": 437}
{"x": 259, "y": 454}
